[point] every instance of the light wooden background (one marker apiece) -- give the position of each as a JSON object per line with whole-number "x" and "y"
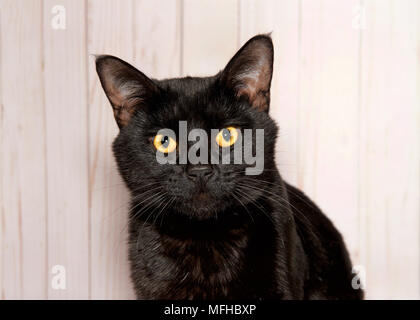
{"x": 345, "y": 93}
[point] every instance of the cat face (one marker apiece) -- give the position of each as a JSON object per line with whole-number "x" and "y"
{"x": 234, "y": 100}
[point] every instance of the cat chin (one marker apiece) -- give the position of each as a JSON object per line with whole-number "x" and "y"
{"x": 206, "y": 209}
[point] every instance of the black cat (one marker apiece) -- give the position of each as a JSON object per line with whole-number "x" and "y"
{"x": 212, "y": 231}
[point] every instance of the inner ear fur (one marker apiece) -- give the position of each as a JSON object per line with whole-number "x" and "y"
{"x": 250, "y": 71}
{"x": 125, "y": 87}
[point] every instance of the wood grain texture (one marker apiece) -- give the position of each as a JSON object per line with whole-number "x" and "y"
{"x": 157, "y": 37}
{"x": 390, "y": 148}
{"x": 210, "y": 35}
{"x": 67, "y": 153}
{"x": 23, "y": 206}
{"x": 110, "y": 31}
{"x": 346, "y": 99}
{"x": 329, "y": 113}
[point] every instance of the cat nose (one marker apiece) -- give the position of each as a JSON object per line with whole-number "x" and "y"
{"x": 199, "y": 171}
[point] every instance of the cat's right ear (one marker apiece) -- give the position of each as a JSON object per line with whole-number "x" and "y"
{"x": 249, "y": 72}
{"x": 126, "y": 87}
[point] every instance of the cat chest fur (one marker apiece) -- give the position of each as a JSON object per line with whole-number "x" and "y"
{"x": 199, "y": 261}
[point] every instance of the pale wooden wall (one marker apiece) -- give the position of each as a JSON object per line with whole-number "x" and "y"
{"x": 346, "y": 98}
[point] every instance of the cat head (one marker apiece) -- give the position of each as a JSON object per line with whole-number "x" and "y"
{"x": 152, "y": 113}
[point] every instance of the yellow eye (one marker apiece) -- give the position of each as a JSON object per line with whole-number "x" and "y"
{"x": 227, "y": 137}
{"x": 164, "y": 144}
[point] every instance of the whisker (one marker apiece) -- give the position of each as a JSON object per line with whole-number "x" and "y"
{"x": 274, "y": 198}
{"x": 255, "y": 203}
{"x": 243, "y": 205}
{"x": 162, "y": 197}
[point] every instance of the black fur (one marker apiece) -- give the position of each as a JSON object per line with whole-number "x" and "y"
{"x": 232, "y": 236}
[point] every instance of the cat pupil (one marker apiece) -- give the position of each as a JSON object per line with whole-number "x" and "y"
{"x": 165, "y": 141}
{"x": 226, "y": 134}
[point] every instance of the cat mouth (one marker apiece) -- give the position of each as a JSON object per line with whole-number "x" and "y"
{"x": 201, "y": 199}
{"x": 200, "y": 205}
{"x": 203, "y": 196}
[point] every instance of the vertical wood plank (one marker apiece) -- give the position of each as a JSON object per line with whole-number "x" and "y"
{"x": 390, "y": 148}
{"x": 281, "y": 18}
{"x": 110, "y": 31}
{"x": 329, "y": 114}
{"x": 66, "y": 119}
{"x": 157, "y": 37}
{"x": 210, "y": 35}
{"x": 23, "y": 204}
{"x": 310, "y": 86}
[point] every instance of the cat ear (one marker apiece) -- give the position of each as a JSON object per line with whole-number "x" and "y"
{"x": 249, "y": 72}
{"x": 126, "y": 87}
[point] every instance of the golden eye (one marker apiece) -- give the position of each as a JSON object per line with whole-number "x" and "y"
{"x": 227, "y": 137}
{"x": 164, "y": 144}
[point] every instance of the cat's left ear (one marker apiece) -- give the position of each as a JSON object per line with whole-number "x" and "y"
{"x": 126, "y": 87}
{"x": 250, "y": 71}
